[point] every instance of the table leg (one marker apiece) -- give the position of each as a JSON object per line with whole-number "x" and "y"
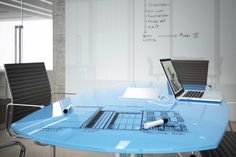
{"x": 53, "y": 151}
{"x": 121, "y": 155}
{"x": 136, "y": 155}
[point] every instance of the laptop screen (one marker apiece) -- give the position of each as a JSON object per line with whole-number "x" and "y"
{"x": 172, "y": 77}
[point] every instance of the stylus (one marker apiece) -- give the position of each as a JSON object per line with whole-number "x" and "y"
{"x": 66, "y": 110}
{"x": 155, "y": 123}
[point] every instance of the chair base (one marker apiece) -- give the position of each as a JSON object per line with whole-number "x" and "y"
{"x": 15, "y": 143}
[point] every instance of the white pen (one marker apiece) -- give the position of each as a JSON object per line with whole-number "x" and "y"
{"x": 155, "y": 123}
{"x": 66, "y": 110}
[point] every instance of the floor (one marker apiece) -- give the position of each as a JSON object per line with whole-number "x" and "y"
{"x": 34, "y": 150}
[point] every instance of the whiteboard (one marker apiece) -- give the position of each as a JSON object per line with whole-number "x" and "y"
{"x": 180, "y": 29}
{"x": 123, "y": 40}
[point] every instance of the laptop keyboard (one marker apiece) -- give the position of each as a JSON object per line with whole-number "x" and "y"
{"x": 194, "y": 94}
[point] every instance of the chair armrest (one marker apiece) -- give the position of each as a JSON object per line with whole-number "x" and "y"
{"x": 229, "y": 123}
{"x": 8, "y": 119}
{"x": 230, "y": 127}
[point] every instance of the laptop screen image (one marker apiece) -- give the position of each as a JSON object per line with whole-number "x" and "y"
{"x": 172, "y": 76}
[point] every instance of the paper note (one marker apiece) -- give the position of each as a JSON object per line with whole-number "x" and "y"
{"x": 141, "y": 93}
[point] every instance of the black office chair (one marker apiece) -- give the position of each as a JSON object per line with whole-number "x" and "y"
{"x": 30, "y": 90}
{"x": 195, "y": 72}
{"x": 192, "y": 71}
{"x": 226, "y": 148}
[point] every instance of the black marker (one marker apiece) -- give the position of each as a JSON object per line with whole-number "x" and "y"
{"x": 66, "y": 110}
{"x": 155, "y": 123}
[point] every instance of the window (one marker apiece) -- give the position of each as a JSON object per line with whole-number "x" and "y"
{"x": 36, "y": 36}
{"x": 37, "y": 42}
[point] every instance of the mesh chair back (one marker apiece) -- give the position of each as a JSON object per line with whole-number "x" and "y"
{"x": 192, "y": 71}
{"x": 28, "y": 84}
{"x": 226, "y": 148}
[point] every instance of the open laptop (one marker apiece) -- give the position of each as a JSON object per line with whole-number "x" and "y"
{"x": 182, "y": 94}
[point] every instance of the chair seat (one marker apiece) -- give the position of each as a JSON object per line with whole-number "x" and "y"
{"x": 227, "y": 147}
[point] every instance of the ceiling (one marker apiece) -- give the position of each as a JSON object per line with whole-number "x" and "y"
{"x": 32, "y": 9}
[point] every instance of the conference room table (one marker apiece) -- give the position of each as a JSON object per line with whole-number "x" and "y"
{"x": 103, "y": 120}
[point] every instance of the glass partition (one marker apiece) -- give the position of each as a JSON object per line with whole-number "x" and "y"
{"x": 26, "y": 31}
{"x": 122, "y": 40}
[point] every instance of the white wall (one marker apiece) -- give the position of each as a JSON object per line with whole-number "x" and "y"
{"x": 97, "y": 43}
{"x": 194, "y": 24}
{"x": 227, "y": 49}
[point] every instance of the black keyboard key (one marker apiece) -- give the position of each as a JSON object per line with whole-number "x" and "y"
{"x": 191, "y": 93}
{"x": 194, "y": 94}
{"x": 198, "y": 95}
{"x": 187, "y": 94}
{"x": 201, "y": 94}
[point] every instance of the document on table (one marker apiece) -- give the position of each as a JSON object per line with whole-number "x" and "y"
{"x": 141, "y": 93}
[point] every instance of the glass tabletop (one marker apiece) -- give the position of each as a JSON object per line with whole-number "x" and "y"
{"x": 102, "y": 120}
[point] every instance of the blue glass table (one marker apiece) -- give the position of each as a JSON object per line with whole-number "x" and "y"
{"x": 103, "y": 121}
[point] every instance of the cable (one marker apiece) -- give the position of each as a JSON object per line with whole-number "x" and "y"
{"x": 163, "y": 101}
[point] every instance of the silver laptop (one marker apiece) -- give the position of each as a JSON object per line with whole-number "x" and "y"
{"x": 182, "y": 94}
